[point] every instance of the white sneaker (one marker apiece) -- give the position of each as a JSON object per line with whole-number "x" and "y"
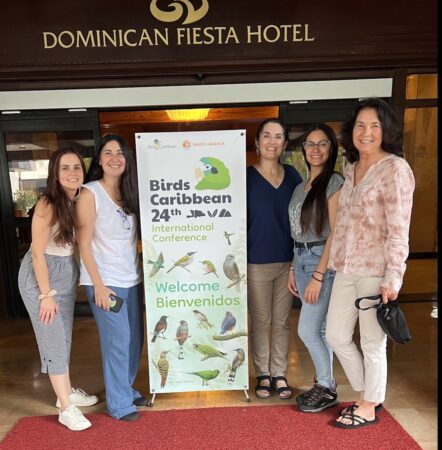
{"x": 80, "y": 398}
{"x": 73, "y": 418}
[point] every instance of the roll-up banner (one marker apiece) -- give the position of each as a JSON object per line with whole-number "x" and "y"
{"x": 193, "y": 224}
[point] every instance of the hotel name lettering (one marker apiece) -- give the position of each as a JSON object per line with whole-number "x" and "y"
{"x": 251, "y": 34}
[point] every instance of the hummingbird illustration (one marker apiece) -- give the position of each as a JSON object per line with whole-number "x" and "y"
{"x": 227, "y": 236}
{"x": 209, "y": 267}
{"x": 163, "y": 367}
{"x": 160, "y": 327}
{"x": 182, "y": 334}
{"x": 157, "y": 265}
{"x": 183, "y": 261}
{"x": 231, "y": 271}
{"x": 206, "y": 375}
{"x": 237, "y": 362}
{"x": 202, "y": 319}
{"x": 209, "y": 352}
{"x": 228, "y": 323}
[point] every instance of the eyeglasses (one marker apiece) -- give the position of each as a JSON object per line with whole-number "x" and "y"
{"x": 124, "y": 219}
{"x": 322, "y": 145}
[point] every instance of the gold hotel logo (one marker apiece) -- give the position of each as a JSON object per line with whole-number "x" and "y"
{"x": 177, "y": 11}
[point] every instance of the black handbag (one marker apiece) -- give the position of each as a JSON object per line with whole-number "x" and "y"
{"x": 390, "y": 317}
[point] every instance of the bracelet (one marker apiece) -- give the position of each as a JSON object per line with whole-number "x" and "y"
{"x": 317, "y": 271}
{"x": 51, "y": 293}
{"x": 317, "y": 279}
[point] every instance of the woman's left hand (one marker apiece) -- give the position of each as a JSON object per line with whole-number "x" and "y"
{"x": 388, "y": 294}
{"x": 311, "y": 293}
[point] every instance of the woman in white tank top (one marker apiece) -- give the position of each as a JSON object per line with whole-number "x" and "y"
{"x": 107, "y": 238}
{"x": 48, "y": 280}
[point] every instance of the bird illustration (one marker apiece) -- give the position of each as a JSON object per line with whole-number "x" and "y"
{"x": 157, "y": 265}
{"x": 206, "y": 375}
{"x": 160, "y": 327}
{"x": 227, "y": 236}
{"x": 237, "y": 362}
{"x": 215, "y": 175}
{"x": 202, "y": 319}
{"x": 209, "y": 352}
{"x": 163, "y": 367}
{"x": 209, "y": 267}
{"x": 182, "y": 334}
{"x": 183, "y": 261}
{"x": 231, "y": 271}
{"x": 228, "y": 323}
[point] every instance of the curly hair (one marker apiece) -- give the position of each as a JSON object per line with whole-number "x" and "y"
{"x": 128, "y": 180}
{"x": 390, "y": 124}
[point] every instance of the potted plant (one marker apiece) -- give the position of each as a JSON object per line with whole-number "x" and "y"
{"x": 24, "y": 200}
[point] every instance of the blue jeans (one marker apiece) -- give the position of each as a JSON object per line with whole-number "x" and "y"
{"x": 312, "y": 320}
{"x": 121, "y": 343}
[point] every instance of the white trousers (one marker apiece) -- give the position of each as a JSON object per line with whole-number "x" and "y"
{"x": 366, "y": 372}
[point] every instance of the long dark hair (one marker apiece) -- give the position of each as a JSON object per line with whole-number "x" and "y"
{"x": 390, "y": 124}
{"x": 272, "y": 120}
{"x": 316, "y": 199}
{"x": 55, "y": 195}
{"x": 128, "y": 181}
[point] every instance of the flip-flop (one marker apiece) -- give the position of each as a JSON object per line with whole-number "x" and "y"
{"x": 356, "y": 421}
{"x": 349, "y": 409}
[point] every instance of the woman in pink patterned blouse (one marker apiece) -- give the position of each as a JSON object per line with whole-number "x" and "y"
{"x": 369, "y": 250}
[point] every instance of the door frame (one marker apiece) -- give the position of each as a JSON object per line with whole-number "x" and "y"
{"x": 28, "y": 121}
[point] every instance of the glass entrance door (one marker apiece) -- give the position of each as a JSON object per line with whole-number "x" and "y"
{"x": 26, "y": 143}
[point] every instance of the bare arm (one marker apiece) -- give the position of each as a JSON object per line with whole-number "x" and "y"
{"x": 86, "y": 215}
{"x": 313, "y": 289}
{"x": 291, "y": 283}
{"x": 41, "y": 230}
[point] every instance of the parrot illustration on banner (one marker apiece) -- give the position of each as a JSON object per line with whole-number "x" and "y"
{"x": 215, "y": 175}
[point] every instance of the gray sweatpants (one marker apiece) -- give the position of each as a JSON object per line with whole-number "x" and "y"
{"x": 54, "y": 340}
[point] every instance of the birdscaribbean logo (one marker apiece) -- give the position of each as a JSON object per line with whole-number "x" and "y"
{"x": 176, "y": 11}
{"x": 214, "y": 175}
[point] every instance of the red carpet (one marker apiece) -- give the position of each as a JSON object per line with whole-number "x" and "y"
{"x": 234, "y": 428}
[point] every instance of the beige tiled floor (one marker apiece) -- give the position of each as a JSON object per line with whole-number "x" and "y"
{"x": 411, "y": 395}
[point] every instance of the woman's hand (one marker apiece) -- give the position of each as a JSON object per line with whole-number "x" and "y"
{"x": 102, "y": 294}
{"x": 48, "y": 310}
{"x": 311, "y": 294}
{"x": 388, "y": 294}
{"x": 291, "y": 284}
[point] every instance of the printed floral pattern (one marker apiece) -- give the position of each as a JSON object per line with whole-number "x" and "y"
{"x": 372, "y": 225}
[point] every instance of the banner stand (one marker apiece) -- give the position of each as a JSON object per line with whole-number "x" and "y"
{"x": 192, "y": 190}
{"x": 152, "y": 400}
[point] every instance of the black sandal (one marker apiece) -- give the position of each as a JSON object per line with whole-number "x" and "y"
{"x": 351, "y": 408}
{"x": 281, "y": 390}
{"x": 260, "y": 387}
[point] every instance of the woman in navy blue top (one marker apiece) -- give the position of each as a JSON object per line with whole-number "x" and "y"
{"x": 270, "y": 186}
